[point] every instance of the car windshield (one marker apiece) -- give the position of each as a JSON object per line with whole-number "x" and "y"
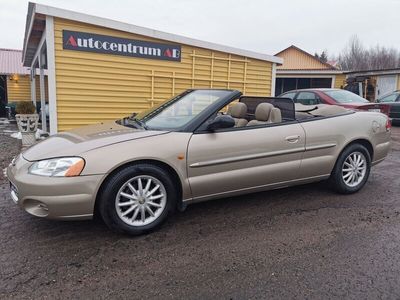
{"x": 389, "y": 98}
{"x": 177, "y": 112}
{"x": 343, "y": 96}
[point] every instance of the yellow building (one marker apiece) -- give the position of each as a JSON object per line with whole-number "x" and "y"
{"x": 301, "y": 70}
{"x": 100, "y": 69}
{"x": 15, "y": 81}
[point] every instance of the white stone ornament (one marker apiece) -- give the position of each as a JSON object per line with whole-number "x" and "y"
{"x": 27, "y": 125}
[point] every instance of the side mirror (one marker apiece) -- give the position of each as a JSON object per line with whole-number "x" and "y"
{"x": 220, "y": 122}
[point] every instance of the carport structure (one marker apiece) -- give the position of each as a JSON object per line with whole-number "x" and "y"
{"x": 15, "y": 82}
{"x": 101, "y": 69}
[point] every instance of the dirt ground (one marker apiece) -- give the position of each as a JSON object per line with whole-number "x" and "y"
{"x": 301, "y": 242}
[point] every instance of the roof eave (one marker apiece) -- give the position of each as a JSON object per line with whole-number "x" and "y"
{"x": 321, "y": 71}
{"x": 372, "y": 72}
{"x": 28, "y": 28}
{"x": 35, "y": 8}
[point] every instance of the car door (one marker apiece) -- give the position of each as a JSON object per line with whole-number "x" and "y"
{"x": 393, "y": 100}
{"x": 324, "y": 138}
{"x": 395, "y": 110}
{"x": 242, "y": 159}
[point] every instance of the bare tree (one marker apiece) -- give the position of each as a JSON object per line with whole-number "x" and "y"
{"x": 356, "y": 57}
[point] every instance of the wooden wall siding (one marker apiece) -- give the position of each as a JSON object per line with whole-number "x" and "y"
{"x": 93, "y": 87}
{"x": 340, "y": 81}
{"x": 21, "y": 90}
{"x": 294, "y": 59}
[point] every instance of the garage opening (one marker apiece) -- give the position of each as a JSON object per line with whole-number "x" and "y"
{"x": 3, "y": 96}
{"x": 287, "y": 84}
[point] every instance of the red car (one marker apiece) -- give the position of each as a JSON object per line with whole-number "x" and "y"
{"x": 334, "y": 97}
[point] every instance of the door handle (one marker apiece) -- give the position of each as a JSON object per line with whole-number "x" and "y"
{"x": 292, "y": 138}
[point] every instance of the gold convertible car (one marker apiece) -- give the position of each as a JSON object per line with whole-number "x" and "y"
{"x": 202, "y": 144}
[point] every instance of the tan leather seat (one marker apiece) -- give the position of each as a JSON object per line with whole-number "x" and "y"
{"x": 238, "y": 112}
{"x": 266, "y": 113}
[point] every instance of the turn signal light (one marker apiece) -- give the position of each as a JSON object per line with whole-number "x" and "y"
{"x": 75, "y": 169}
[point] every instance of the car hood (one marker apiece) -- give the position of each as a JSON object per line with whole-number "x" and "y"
{"x": 77, "y": 141}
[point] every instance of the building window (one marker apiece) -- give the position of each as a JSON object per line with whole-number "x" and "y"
{"x": 287, "y": 84}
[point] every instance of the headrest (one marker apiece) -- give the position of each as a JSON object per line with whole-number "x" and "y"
{"x": 275, "y": 116}
{"x": 262, "y": 111}
{"x": 238, "y": 110}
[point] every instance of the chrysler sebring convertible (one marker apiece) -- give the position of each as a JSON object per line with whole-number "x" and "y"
{"x": 200, "y": 145}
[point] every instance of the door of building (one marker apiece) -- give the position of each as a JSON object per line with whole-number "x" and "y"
{"x": 288, "y": 84}
{"x": 385, "y": 85}
{"x": 3, "y": 96}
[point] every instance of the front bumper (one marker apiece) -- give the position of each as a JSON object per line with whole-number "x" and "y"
{"x": 52, "y": 197}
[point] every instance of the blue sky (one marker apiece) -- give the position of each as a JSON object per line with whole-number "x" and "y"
{"x": 262, "y": 26}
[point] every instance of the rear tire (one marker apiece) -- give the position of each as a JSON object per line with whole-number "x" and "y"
{"x": 137, "y": 199}
{"x": 351, "y": 170}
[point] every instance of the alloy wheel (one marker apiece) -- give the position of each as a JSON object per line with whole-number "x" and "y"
{"x": 354, "y": 169}
{"x": 141, "y": 200}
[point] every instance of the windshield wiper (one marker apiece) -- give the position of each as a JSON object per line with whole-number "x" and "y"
{"x": 141, "y": 123}
{"x": 137, "y": 121}
{"x": 135, "y": 124}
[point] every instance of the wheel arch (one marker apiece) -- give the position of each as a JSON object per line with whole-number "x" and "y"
{"x": 338, "y": 184}
{"x": 364, "y": 142}
{"x": 175, "y": 176}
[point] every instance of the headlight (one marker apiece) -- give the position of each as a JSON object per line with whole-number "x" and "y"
{"x": 58, "y": 167}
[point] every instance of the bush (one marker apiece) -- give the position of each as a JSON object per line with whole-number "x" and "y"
{"x": 25, "y": 108}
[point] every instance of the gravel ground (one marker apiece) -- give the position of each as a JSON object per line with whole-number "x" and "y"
{"x": 9, "y": 147}
{"x": 303, "y": 242}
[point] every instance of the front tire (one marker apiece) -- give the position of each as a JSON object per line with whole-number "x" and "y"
{"x": 137, "y": 199}
{"x": 351, "y": 170}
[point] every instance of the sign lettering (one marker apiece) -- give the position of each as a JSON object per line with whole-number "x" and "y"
{"x": 90, "y": 42}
